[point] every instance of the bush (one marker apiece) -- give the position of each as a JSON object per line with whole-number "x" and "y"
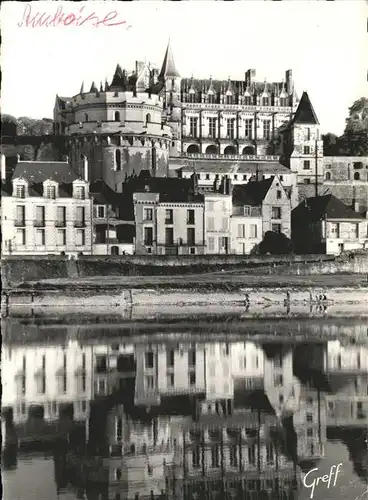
{"x": 275, "y": 244}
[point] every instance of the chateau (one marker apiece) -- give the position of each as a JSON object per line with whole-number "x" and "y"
{"x": 155, "y": 120}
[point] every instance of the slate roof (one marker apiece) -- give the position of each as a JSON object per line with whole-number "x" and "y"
{"x": 39, "y": 171}
{"x": 102, "y": 194}
{"x": 305, "y": 113}
{"x": 321, "y": 207}
{"x": 168, "y": 69}
{"x": 62, "y": 101}
{"x": 229, "y": 166}
{"x": 252, "y": 193}
{"x": 237, "y": 86}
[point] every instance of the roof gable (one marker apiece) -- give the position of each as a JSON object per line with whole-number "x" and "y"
{"x": 325, "y": 207}
{"x": 39, "y": 171}
{"x": 253, "y": 193}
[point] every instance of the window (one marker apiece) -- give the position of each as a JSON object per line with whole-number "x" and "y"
{"x": 309, "y": 417}
{"x": 281, "y": 399}
{"x": 276, "y": 213}
{"x": 233, "y": 456}
{"x": 118, "y": 160}
{"x": 20, "y": 191}
{"x": 210, "y": 223}
{"x": 148, "y": 236}
{"x": 40, "y": 237}
{"x": 169, "y": 236}
{"x": 193, "y": 124}
{"x": 215, "y": 462}
{"x": 247, "y": 100}
{"x": 230, "y": 128}
{"x": 269, "y": 453}
{"x": 40, "y": 216}
{"x": 61, "y": 216}
{"x": 278, "y": 361}
{"x": 211, "y": 244}
{"x": 307, "y": 181}
{"x": 196, "y": 458}
{"x": 306, "y": 165}
{"x": 265, "y": 101}
{"x": 20, "y": 237}
{"x": 80, "y": 192}
{"x": 117, "y": 474}
{"x": 356, "y": 176}
{"x": 20, "y": 215}
{"x": 267, "y": 129}
{"x": 210, "y": 206}
{"x": 80, "y": 237}
{"x": 170, "y": 380}
{"x": 210, "y": 98}
{"x": 283, "y": 101}
{"x": 278, "y": 380}
{"x": 229, "y": 99}
{"x": 212, "y": 127}
{"x": 207, "y": 177}
{"x": 80, "y": 217}
{"x": 170, "y": 358}
{"x": 310, "y": 432}
{"x": 117, "y": 116}
{"x": 307, "y": 134}
{"x": 278, "y": 194}
{"x": 192, "y": 378}
{"x": 148, "y": 214}
{"x": 241, "y": 230}
{"x": 191, "y": 236}
{"x": 50, "y": 192}
{"x": 190, "y": 217}
{"x": 306, "y": 150}
{"x": 61, "y": 237}
{"x": 335, "y": 229}
{"x": 86, "y": 117}
{"x": 149, "y": 382}
{"x": 148, "y": 118}
{"x": 354, "y": 231}
{"x": 252, "y": 454}
{"x": 358, "y": 165}
{"x": 248, "y": 128}
{"x": 328, "y": 176}
{"x": 169, "y": 216}
{"x": 276, "y": 228}
{"x": 101, "y": 211}
{"x": 149, "y": 359}
{"x": 224, "y": 224}
{"x": 192, "y": 357}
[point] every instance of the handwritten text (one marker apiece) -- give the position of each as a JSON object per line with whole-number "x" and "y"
{"x": 312, "y": 483}
{"x": 31, "y": 19}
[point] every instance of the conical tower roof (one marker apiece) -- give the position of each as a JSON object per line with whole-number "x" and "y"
{"x": 119, "y": 80}
{"x": 168, "y": 69}
{"x": 305, "y": 113}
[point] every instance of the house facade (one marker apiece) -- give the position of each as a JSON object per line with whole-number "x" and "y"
{"x": 325, "y": 224}
{"x": 46, "y": 209}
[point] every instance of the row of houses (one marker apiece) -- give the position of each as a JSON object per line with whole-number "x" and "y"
{"x": 48, "y": 209}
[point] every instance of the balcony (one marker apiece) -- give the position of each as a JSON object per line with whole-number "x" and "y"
{"x": 39, "y": 223}
{"x": 79, "y": 223}
{"x": 204, "y": 156}
{"x": 19, "y": 223}
{"x": 60, "y": 223}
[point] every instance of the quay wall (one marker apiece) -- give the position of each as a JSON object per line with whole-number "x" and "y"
{"x": 20, "y": 269}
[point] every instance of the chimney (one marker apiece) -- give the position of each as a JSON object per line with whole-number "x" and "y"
{"x": 85, "y": 169}
{"x": 194, "y": 182}
{"x": 3, "y": 168}
{"x": 229, "y": 186}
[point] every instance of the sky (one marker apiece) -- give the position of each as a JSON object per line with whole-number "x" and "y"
{"x": 324, "y": 43}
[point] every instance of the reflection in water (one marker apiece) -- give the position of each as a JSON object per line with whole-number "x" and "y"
{"x": 189, "y": 419}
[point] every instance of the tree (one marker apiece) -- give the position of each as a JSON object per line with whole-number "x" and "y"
{"x": 330, "y": 144}
{"x": 275, "y": 244}
{"x": 9, "y": 125}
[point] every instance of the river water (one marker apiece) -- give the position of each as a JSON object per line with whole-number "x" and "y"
{"x": 173, "y": 405}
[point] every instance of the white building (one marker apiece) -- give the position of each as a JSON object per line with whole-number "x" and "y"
{"x": 217, "y": 221}
{"x": 46, "y": 209}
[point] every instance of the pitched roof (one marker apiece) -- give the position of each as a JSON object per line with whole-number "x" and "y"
{"x": 252, "y": 193}
{"x": 168, "y": 69}
{"x": 119, "y": 79}
{"x": 39, "y": 171}
{"x": 102, "y": 194}
{"x": 238, "y": 86}
{"x": 325, "y": 207}
{"x": 305, "y": 113}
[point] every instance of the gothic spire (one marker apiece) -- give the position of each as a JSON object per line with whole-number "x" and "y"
{"x": 106, "y": 85}
{"x": 168, "y": 69}
{"x": 82, "y": 88}
{"x": 305, "y": 113}
{"x": 93, "y": 88}
{"x": 119, "y": 80}
{"x": 101, "y": 87}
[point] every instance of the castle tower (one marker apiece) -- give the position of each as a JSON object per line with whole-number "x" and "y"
{"x": 306, "y": 147}
{"x": 170, "y": 78}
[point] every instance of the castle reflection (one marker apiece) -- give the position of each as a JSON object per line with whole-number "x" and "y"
{"x": 184, "y": 420}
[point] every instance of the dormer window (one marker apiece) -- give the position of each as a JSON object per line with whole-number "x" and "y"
{"x": 265, "y": 101}
{"x": 283, "y": 101}
{"x": 80, "y": 192}
{"x": 210, "y": 98}
{"x": 20, "y": 191}
{"x": 247, "y": 100}
{"x": 229, "y": 99}
{"x": 50, "y": 191}
{"x": 191, "y": 96}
